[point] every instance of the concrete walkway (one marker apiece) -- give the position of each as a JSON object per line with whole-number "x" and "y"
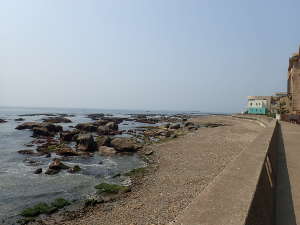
{"x": 288, "y": 180}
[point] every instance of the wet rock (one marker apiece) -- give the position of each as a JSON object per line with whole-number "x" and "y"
{"x": 58, "y": 165}
{"x": 74, "y": 169}
{"x": 19, "y": 119}
{"x": 51, "y": 171}
{"x": 124, "y": 145}
{"x": 95, "y": 116}
{"x": 57, "y": 120}
{"x": 38, "y": 171}
{"x": 32, "y": 162}
{"x": 100, "y": 122}
{"x": 28, "y": 125}
{"x": 107, "y": 151}
{"x": 26, "y": 152}
{"x": 66, "y": 151}
{"x": 175, "y": 126}
{"x": 112, "y": 125}
{"x": 86, "y": 142}
{"x": 2, "y": 121}
{"x": 103, "y": 141}
{"x": 52, "y": 127}
{"x": 41, "y": 131}
{"x": 88, "y": 127}
{"x": 103, "y": 130}
{"x": 69, "y": 135}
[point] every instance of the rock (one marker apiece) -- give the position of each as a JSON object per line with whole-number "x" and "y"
{"x": 38, "y": 171}
{"x": 58, "y": 165}
{"x": 124, "y": 144}
{"x": 86, "y": 142}
{"x": 104, "y": 150}
{"x": 51, "y": 172}
{"x": 103, "y": 130}
{"x": 175, "y": 126}
{"x": 100, "y": 122}
{"x": 52, "y": 127}
{"x": 27, "y": 125}
{"x": 2, "y": 121}
{"x": 32, "y": 162}
{"x": 112, "y": 125}
{"x": 57, "y": 119}
{"x": 189, "y": 124}
{"x": 66, "y": 151}
{"x": 26, "y": 152}
{"x": 41, "y": 131}
{"x": 74, "y": 169}
{"x": 19, "y": 119}
{"x": 166, "y": 125}
{"x": 149, "y": 152}
{"x": 95, "y": 116}
{"x": 69, "y": 135}
{"x": 103, "y": 141}
{"x": 88, "y": 127}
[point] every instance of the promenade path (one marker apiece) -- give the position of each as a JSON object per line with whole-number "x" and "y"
{"x": 185, "y": 167}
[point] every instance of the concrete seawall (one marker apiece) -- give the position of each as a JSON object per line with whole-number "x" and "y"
{"x": 245, "y": 192}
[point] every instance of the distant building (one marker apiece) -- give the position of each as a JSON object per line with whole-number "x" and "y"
{"x": 259, "y": 104}
{"x": 294, "y": 83}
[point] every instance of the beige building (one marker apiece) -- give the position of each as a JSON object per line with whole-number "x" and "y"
{"x": 294, "y": 83}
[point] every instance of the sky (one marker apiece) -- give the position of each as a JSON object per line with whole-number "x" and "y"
{"x": 145, "y": 54}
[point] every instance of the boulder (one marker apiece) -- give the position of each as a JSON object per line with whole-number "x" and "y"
{"x": 107, "y": 151}
{"x": 51, "y": 171}
{"x": 58, "y": 165}
{"x": 41, "y": 131}
{"x": 103, "y": 141}
{"x": 88, "y": 127}
{"x": 86, "y": 142}
{"x": 2, "y": 121}
{"x": 124, "y": 145}
{"x": 175, "y": 126}
{"x": 29, "y": 152}
{"x": 38, "y": 171}
{"x": 103, "y": 130}
{"x": 52, "y": 127}
{"x": 69, "y": 135}
{"x": 28, "y": 125}
{"x": 19, "y": 119}
{"x": 95, "y": 116}
{"x": 66, "y": 151}
{"x": 57, "y": 119}
{"x": 112, "y": 125}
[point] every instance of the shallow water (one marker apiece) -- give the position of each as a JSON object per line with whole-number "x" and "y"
{"x": 21, "y": 188}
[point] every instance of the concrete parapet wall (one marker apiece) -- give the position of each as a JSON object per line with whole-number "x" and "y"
{"x": 244, "y": 193}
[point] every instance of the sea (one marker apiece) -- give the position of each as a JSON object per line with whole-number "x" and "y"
{"x": 21, "y": 188}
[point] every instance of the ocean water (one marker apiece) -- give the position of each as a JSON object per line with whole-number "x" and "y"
{"x": 21, "y": 188}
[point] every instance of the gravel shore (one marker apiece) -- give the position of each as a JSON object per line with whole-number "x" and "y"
{"x": 184, "y": 167}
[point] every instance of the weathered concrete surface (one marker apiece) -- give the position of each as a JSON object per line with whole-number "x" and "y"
{"x": 186, "y": 166}
{"x": 227, "y": 200}
{"x": 288, "y": 185}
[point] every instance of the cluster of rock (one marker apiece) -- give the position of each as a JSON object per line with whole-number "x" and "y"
{"x": 2, "y": 121}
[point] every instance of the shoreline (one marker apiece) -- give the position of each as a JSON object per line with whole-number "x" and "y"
{"x": 172, "y": 180}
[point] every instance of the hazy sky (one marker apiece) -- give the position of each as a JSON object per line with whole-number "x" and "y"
{"x": 145, "y": 54}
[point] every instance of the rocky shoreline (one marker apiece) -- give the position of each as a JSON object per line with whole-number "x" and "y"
{"x": 100, "y": 136}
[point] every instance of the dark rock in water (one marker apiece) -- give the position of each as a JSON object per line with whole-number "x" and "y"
{"x": 68, "y": 135}
{"x": 103, "y": 141}
{"x": 57, "y": 119}
{"x": 52, "y": 127}
{"x": 95, "y": 116}
{"x": 175, "y": 126}
{"x": 88, "y": 127}
{"x": 32, "y": 162}
{"x": 124, "y": 145}
{"x": 39, "y": 114}
{"x": 189, "y": 124}
{"x": 100, "y": 122}
{"x": 58, "y": 165}
{"x": 2, "y": 121}
{"x": 48, "y": 155}
{"x": 86, "y": 142}
{"x": 107, "y": 151}
{"x": 19, "y": 119}
{"x": 41, "y": 131}
{"x": 74, "y": 169}
{"x": 66, "y": 151}
{"x": 29, "y": 145}
{"x": 29, "y": 152}
{"x": 51, "y": 171}
{"x": 28, "y": 125}
{"x": 38, "y": 171}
